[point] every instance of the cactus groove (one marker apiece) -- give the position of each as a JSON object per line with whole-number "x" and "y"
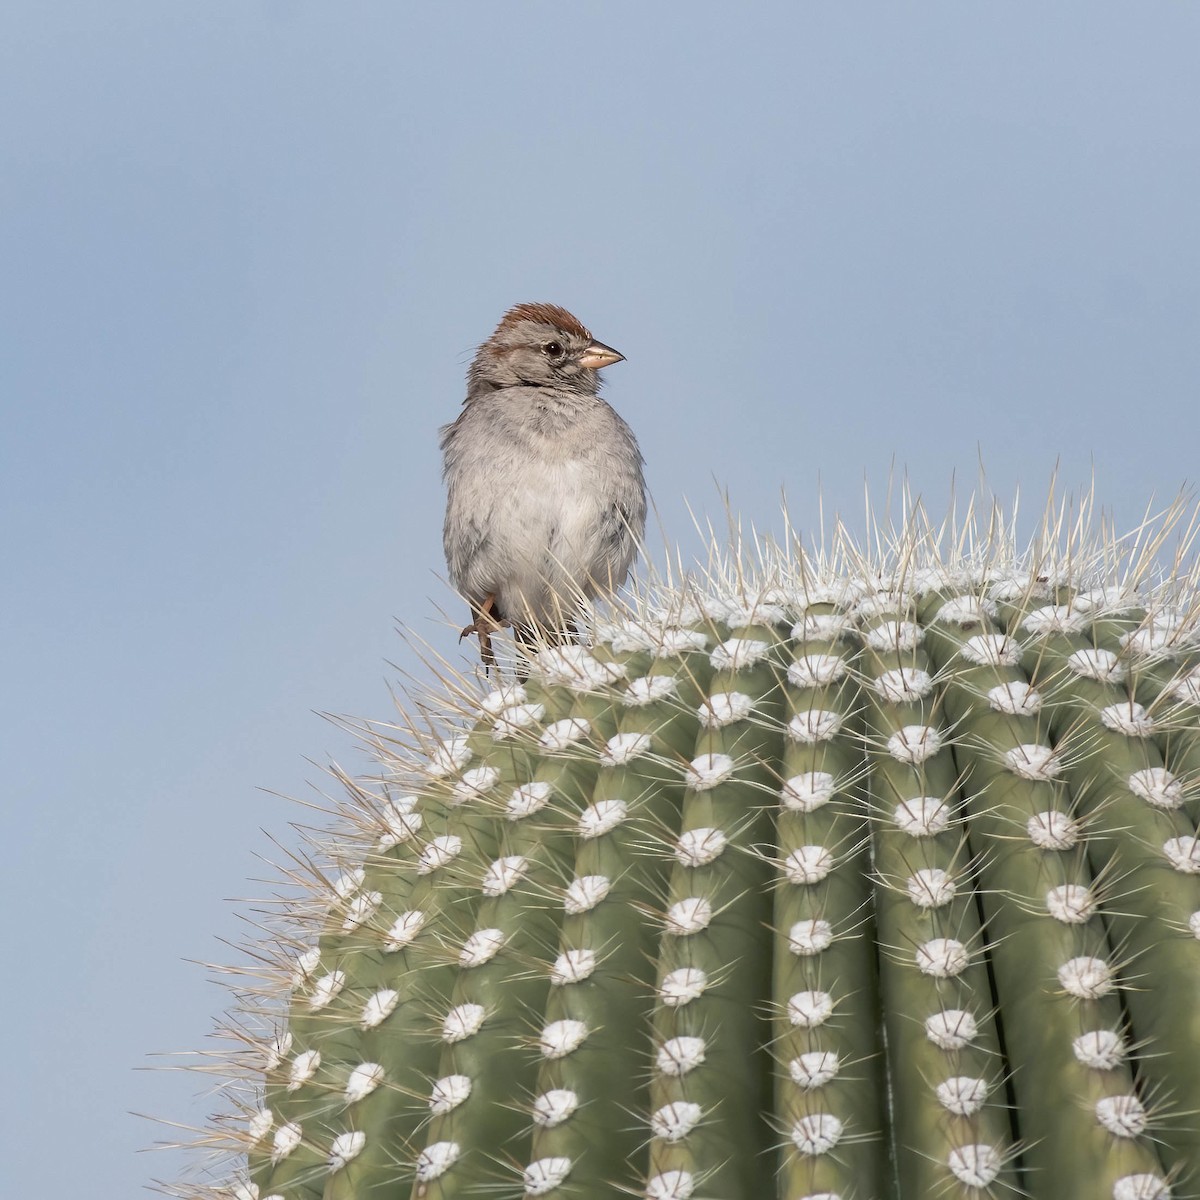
{"x": 830, "y": 879}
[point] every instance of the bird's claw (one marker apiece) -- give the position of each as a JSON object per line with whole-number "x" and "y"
{"x": 483, "y": 627}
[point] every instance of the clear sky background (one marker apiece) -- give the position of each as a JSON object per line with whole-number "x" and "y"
{"x": 246, "y": 249}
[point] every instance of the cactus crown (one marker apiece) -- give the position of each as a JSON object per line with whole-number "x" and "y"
{"x": 836, "y": 876}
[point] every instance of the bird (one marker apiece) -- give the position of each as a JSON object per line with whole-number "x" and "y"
{"x": 545, "y": 489}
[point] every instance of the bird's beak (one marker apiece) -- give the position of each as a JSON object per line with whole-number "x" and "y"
{"x": 599, "y": 355}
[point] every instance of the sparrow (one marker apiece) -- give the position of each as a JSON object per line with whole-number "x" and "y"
{"x": 545, "y": 496}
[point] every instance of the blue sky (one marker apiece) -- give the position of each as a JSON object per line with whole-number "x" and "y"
{"x": 246, "y": 248}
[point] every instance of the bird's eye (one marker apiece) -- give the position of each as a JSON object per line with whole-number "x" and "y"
{"x": 553, "y": 350}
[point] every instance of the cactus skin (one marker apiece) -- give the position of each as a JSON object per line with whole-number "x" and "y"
{"x": 848, "y": 883}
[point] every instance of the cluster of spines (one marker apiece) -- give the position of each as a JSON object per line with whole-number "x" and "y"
{"x": 638, "y": 928}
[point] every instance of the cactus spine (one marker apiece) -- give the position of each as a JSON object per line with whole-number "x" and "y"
{"x": 847, "y": 881}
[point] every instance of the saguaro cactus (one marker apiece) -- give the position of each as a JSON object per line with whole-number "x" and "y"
{"x": 837, "y": 878}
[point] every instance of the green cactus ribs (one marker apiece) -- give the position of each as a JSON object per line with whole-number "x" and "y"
{"x": 859, "y": 878}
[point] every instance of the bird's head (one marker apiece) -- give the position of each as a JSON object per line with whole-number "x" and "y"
{"x": 540, "y": 345}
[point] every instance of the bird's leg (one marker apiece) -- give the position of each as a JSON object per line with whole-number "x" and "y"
{"x": 484, "y": 625}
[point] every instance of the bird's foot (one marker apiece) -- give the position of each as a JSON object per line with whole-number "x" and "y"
{"x": 484, "y": 625}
